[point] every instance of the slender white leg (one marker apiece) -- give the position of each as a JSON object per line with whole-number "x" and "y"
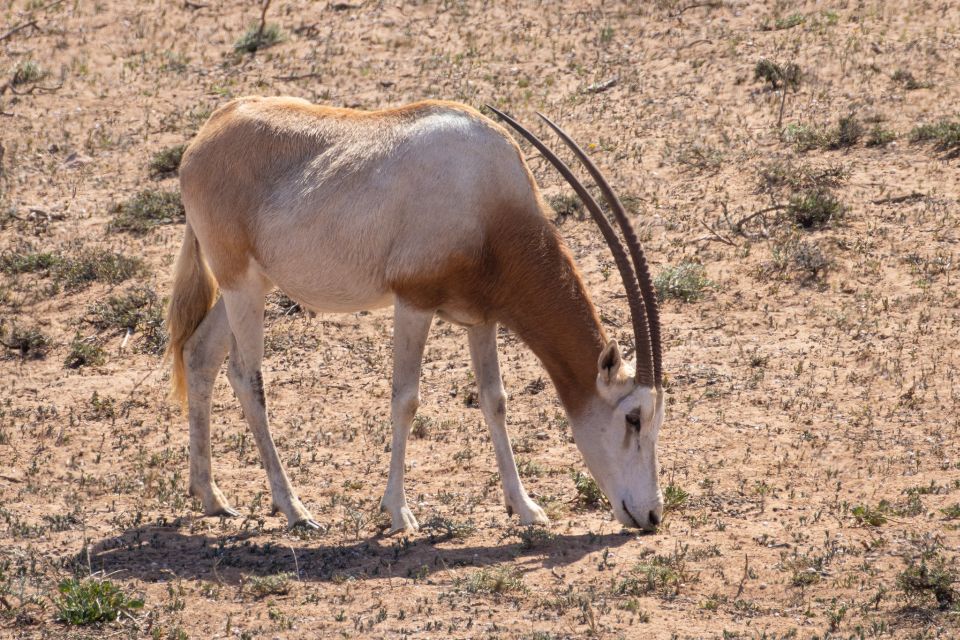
{"x": 245, "y": 312}
{"x": 410, "y": 329}
{"x": 493, "y": 404}
{"x": 203, "y": 354}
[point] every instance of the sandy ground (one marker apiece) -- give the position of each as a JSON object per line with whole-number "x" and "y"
{"x": 812, "y": 443}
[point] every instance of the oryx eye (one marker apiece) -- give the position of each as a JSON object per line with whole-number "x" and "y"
{"x": 633, "y": 419}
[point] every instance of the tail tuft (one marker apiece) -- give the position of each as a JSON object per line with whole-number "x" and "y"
{"x": 194, "y": 292}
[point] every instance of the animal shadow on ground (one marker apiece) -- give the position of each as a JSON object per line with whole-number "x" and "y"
{"x": 161, "y": 553}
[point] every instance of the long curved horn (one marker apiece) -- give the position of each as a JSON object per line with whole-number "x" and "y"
{"x": 633, "y": 244}
{"x": 645, "y": 369}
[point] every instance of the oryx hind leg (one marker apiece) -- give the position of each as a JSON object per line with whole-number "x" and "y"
{"x": 244, "y": 306}
{"x": 493, "y": 404}
{"x": 203, "y": 353}
{"x": 410, "y": 329}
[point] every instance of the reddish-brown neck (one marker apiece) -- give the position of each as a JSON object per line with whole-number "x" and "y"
{"x": 544, "y": 301}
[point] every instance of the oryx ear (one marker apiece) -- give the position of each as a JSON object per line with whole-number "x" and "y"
{"x": 610, "y": 362}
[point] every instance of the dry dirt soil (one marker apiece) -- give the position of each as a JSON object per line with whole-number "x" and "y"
{"x": 792, "y": 169}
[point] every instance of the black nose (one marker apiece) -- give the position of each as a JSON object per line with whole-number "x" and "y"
{"x": 654, "y": 518}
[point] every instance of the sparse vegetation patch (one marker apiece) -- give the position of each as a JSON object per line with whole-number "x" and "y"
{"x": 73, "y": 270}
{"x": 147, "y": 210}
{"x": 932, "y": 575}
{"x": 27, "y": 342}
{"x": 945, "y": 135}
{"x": 686, "y": 282}
{"x": 493, "y": 580}
{"x": 93, "y": 600}
{"x": 27, "y": 72}
{"x": 588, "y": 491}
{"x": 167, "y": 161}
{"x": 814, "y": 209}
{"x": 84, "y": 352}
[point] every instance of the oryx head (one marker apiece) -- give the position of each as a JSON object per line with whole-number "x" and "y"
{"x": 617, "y": 432}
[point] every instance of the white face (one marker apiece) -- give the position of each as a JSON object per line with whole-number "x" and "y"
{"x": 617, "y": 436}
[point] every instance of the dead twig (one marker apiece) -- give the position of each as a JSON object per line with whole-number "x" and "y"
{"x": 915, "y": 195}
{"x": 19, "y": 27}
{"x": 33, "y": 88}
{"x": 711, "y": 4}
{"x": 694, "y": 43}
{"x": 600, "y": 87}
{"x": 301, "y": 76}
{"x": 714, "y": 235}
{"x": 308, "y": 29}
{"x": 263, "y": 20}
{"x": 737, "y": 227}
{"x": 746, "y": 574}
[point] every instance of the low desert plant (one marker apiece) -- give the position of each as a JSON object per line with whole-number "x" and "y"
{"x": 814, "y": 209}
{"x": 686, "y": 281}
{"x": 258, "y": 37}
{"x": 930, "y": 576}
{"x": 276, "y": 584}
{"x": 496, "y": 580}
{"x": 167, "y": 161}
{"x": 92, "y": 600}
{"x": 84, "y": 352}
{"x": 945, "y": 135}
{"x": 146, "y": 210}
{"x": 588, "y": 491}
{"x": 27, "y": 342}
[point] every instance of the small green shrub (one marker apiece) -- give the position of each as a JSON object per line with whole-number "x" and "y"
{"x": 277, "y": 584}
{"x": 498, "y": 580}
{"x": 588, "y": 491}
{"x": 933, "y": 576}
{"x": 777, "y": 75}
{"x": 789, "y": 22}
{"x": 25, "y": 260}
{"x": 84, "y": 352}
{"x": 92, "y": 600}
{"x": 674, "y": 497}
{"x": 28, "y": 342}
{"x": 146, "y": 210}
{"x": 255, "y": 39}
{"x": 74, "y": 271}
{"x": 871, "y": 516}
{"x": 814, "y": 209}
{"x": 686, "y": 282}
{"x": 952, "y": 512}
{"x": 848, "y": 133}
{"x": 907, "y": 80}
{"x": 945, "y": 134}
{"x": 137, "y": 310}
{"x": 441, "y": 528}
{"x": 566, "y": 206}
{"x": 880, "y": 137}
{"x": 658, "y": 576}
{"x": 95, "y": 265}
{"x": 532, "y": 536}
{"x": 804, "y": 137}
{"x": 793, "y": 254}
{"x": 125, "y": 311}
{"x": 26, "y": 72}
{"x": 167, "y": 161}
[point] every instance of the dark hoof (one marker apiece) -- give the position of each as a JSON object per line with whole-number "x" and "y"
{"x": 226, "y": 512}
{"x": 309, "y": 524}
